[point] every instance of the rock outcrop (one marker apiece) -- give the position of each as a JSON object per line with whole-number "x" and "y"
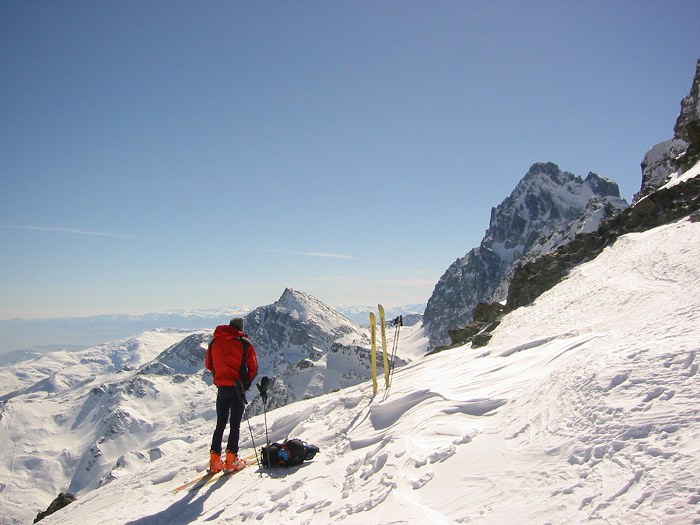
{"x": 681, "y": 152}
{"x": 62, "y": 500}
{"x": 687, "y": 126}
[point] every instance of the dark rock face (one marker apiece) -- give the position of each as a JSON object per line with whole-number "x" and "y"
{"x": 63, "y": 499}
{"x": 687, "y": 126}
{"x": 545, "y": 201}
{"x": 487, "y": 316}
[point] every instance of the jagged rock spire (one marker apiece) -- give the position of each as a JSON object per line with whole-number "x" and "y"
{"x": 547, "y": 199}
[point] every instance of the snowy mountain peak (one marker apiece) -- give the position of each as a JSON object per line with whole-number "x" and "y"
{"x": 315, "y": 315}
{"x": 548, "y": 175}
{"x": 546, "y": 170}
{"x": 299, "y": 320}
{"x": 293, "y": 338}
{"x": 305, "y": 305}
{"x": 602, "y": 185}
{"x": 546, "y": 198}
{"x": 545, "y": 201}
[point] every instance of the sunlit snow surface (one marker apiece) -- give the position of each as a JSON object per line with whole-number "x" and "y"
{"x": 583, "y": 408}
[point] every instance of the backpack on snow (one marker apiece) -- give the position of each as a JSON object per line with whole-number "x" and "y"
{"x": 291, "y": 452}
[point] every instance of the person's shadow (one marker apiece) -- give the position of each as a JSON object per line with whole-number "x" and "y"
{"x": 191, "y": 507}
{"x": 183, "y": 511}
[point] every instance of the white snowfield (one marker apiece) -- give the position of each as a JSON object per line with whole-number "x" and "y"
{"x": 583, "y": 408}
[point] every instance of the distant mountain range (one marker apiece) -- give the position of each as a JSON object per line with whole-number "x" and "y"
{"x": 22, "y": 338}
{"x": 25, "y": 338}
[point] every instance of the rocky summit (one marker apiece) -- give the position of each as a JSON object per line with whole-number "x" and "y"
{"x": 546, "y": 209}
{"x": 299, "y": 339}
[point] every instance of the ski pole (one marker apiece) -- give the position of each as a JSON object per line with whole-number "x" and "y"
{"x": 399, "y": 323}
{"x": 267, "y": 437}
{"x": 262, "y": 388}
{"x": 252, "y": 439}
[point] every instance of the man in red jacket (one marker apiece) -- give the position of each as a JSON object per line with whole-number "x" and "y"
{"x": 232, "y": 359}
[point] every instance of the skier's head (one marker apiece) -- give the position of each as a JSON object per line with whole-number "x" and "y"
{"x": 237, "y": 322}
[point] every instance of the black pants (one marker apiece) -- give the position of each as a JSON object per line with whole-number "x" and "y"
{"x": 230, "y": 403}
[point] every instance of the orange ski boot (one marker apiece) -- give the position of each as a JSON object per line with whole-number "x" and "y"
{"x": 233, "y": 463}
{"x": 215, "y": 462}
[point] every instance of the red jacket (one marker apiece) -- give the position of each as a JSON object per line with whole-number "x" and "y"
{"x": 225, "y": 356}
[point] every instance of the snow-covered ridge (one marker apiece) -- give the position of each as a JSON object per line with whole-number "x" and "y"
{"x": 124, "y": 354}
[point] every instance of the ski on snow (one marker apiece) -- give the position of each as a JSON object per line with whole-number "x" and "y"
{"x": 210, "y": 477}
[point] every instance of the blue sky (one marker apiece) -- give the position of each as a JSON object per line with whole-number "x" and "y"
{"x": 182, "y": 155}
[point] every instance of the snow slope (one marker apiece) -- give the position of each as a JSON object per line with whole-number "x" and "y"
{"x": 582, "y": 409}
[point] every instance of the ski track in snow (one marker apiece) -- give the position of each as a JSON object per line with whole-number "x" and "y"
{"x": 581, "y": 409}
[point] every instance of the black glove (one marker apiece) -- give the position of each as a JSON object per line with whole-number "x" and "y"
{"x": 262, "y": 388}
